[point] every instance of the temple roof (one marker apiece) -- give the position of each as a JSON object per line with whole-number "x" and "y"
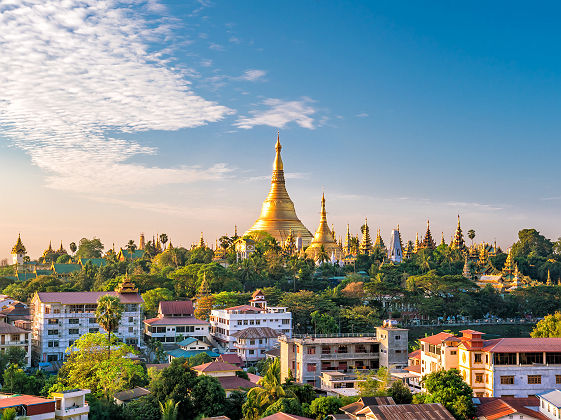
{"x": 18, "y": 247}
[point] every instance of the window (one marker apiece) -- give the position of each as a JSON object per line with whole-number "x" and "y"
{"x": 530, "y": 358}
{"x": 286, "y": 321}
{"x": 251, "y": 351}
{"x": 251, "y": 342}
{"x": 131, "y": 319}
{"x": 311, "y": 350}
{"x": 52, "y": 321}
{"x": 553, "y": 358}
{"x": 453, "y": 352}
{"x": 477, "y": 357}
{"x": 325, "y": 350}
{"x": 534, "y": 379}
{"x": 73, "y": 331}
{"x": 131, "y": 329}
{"x": 92, "y": 320}
{"x": 558, "y": 379}
{"x": 52, "y": 332}
{"x": 93, "y": 330}
{"x": 47, "y": 309}
{"x": 479, "y": 378}
{"x": 359, "y": 348}
{"x": 15, "y": 337}
{"x": 311, "y": 367}
{"x": 342, "y": 349}
{"x": 507, "y": 380}
{"x": 73, "y": 321}
{"x": 505, "y": 358}
{"x": 398, "y": 337}
{"x": 52, "y": 344}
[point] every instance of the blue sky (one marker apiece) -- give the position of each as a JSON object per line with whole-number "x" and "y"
{"x": 155, "y": 116}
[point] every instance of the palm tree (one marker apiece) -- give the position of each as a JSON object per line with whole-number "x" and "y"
{"x": 108, "y": 314}
{"x": 169, "y": 410}
{"x": 73, "y": 247}
{"x": 164, "y": 239}
{"x": 131, "y": 246}
{"x": 471, "y": 235}
{"x": 270, "y": 389}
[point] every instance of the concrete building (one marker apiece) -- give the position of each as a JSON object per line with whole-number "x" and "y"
{"x": 307, "y": 356}
{"x": 12, "y": 336}
{"x": 60, "y": 318}
{"x": 225, "y": 323}
{"x": 252, "y": 343}
{"x": 176, "y": 321}
{"x": 71, "y": 404}
{"x": 225, "y": 373}
{"x": 29, "y": 406}
{"x": 550, "y": 404}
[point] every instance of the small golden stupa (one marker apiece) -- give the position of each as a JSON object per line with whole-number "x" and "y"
{"x": 324, "y": 238}
{"x": 278, "y": 215}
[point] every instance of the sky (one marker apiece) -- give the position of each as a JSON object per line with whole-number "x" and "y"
{"x": 122, "y": 117}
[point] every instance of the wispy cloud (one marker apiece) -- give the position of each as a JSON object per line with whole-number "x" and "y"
{"x": 253, "y": 75}
{"x": 280, "y": 113}
{"x": 362, "y": 115}
{"x": 73, "y": 71}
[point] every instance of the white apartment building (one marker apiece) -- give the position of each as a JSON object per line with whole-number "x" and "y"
{"x": 225, "y": 323}
{"x": 550, "y": 404}
{"x": 12, "y": 336}
{"x": 252, "y": 343}
{"x": 60, "y": 318}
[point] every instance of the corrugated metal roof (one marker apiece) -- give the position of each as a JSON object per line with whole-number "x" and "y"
{"x": 411, "y": 412}
{"x": 176, "y": 307}
{"x": 256, "y": 333}
{"x": 77, "y": 298}
{"x": 522, "y": 345}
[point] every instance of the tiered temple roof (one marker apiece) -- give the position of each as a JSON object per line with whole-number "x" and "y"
{"x": 18, "y": 247}
{"x": 366, "y": 242}
{"x": 323, "y": 239}
{"x": 458, "y": 241}
{"x": 428, "y": 242}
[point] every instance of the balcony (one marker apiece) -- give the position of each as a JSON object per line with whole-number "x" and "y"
{"x": 73, "y": 411}
{"x": 342, "y": 356}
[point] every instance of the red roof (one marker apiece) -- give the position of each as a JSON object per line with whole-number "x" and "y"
{"x": 77, "y": 298}
{"x": 234, "y": 382}
{"x": 496, "y": 408}
{"x": 284, "y": 416}
{"x": 231, "y": 358}
{"x": 256, "y": 332}
{"x": 216, "y": 367}
{"x": 175, "y": 320}
{"x": 408, "y": 411}
{"x": 437, "y": 338}
{"x": 415, "y": 354}
{"x": 22, "y": 400}
{"x": 414, "y": 369}
{"x": 522, "y": 345}
{"x": 244, "y": 308}
{"x": 176, "y": 307}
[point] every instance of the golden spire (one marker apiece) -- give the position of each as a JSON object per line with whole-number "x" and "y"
{"x": 18, "y": 247}
{"x": 278, "y": 215}
{"x": 323, "y": 238}
{"x": 417, "y": 244}
{"x": 548, "y": 283}
{"x": 442, "y": 240}
{"x": 458, "y": 239}
{"x": 202, "y": 241}
{"x": 366, "y": 242}
{"x": 428, "y": 242}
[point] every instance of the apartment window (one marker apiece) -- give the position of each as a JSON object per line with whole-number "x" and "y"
{"x": 558, "y": 379}
{"x": 93, "y": 330}
{"x": 251, "y": 351}
{"x": 131, "y": 329}
{"x": 478, "y": 378}
{"x": 342, "y": 349}
{"x": 251, "y": 342}
{"x": 52, "y": 321}
{"x": 311, "y": 350}
{"x": 245, "y": 322}
{"x": 398, "y": 337}
{"x": 311, "y": 367}
{"x": 453, "y": 352}
{"x": 73, "y": 331}
{"x": 92, "y": 321}
{"x": 286, "y": 321}
{"x": 251, "y": 322}
{"x": 257, "y": 322}
{"x": 56, "y": 311}
{"x": 73, "y": 321}
{"x": 553, "y": 358}
{"x": 325, "y": 350}
{"x": 131, "y": 319}
{"x": 47, "y": 309}
{"x": 130, "y": 307}
{"x": 507, "y": 380}
{"x": 359, "y": 348}
{"x": 477, "y": 357}
{"x": 52, "y": 344}
{"x": 70, "y": 342}
{"x": 52, "y": 332}
{"x": 15, "y": 337}
{"x": 534, "y": 379}
{"x": 531, "y": 358}
{"x": 505, "y": 358}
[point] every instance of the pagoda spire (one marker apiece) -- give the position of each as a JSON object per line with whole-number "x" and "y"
{"x": 379, "y": 241}
{"x": 348, "y": 242}
{"x": 366, "y": 242}
{"x": 202, "y": 241}
{"x": 466, "y": 271}
{"x": 324, "y": 241}
{"x": 417, "y": 244}
{"x": 442, "y": 239}
{"x": 278, "y": 215}
{"x": 549, "y": 282}
{"x": 458, "y": 241}
{"x": 428, "y": 242}
{"x": 18, "y": 248}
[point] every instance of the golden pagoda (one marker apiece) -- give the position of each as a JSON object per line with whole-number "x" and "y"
{"x": 379, "y": 241}
{"x": 442, "y": 240}
{"x": 127, "y": 286}
{"x": 366, "y": 242}
{"x": 201, "y": 241}
{"x": 323, "y": 239}
{"x": 61, "y": 250}
{"x": 548, "y": 282}
{"x": 417, "y": 244}
{"x": 278, "y": 215}
{"x": 428, "y": 242}
{"x": 289, "y": 245}
{"x": 408, "y": 250}
{"x": 348, "y": 246}
{"x": 458, "y": 241}
{"x": 19, "y": 248}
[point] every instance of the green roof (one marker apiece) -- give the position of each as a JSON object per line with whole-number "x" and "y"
{"x": 66, "y": 268}
{"x": 26, "y": 275}
{"x": 190, "y": 353}
{"x": 44, "y": 272}
{"x": 96, "y": 262}
{"x": 135, "y": 255}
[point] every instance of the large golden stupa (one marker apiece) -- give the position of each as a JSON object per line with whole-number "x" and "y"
{"x": 278, "y": 216}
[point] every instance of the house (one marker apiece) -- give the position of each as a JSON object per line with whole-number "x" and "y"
{"x": 507, "y": 408}
{"x": 6, "y": 301}
{"x": 283, "y": 416}
{"x": 16, "y": 311}
{"x": 12, "y": 336}
{"x": 71, "y": 404}
{"x": 344, "y": 384}
{"x": 550, "y": 404}
{"x": 191, "y": 347}
{"x": 231, "y": 358}
{"x": 176, "y": 321}
{"x": 124, "y": 397}
{"x": 225, "y": 323}
{"x": 351, "y": 410}
{"x": 60, "y": 318}
{"x": 225, "y": 373}
{"x": 252, "y": 343}
{"x": 307, "y": 356}
{"x": 125, "y": 255}
{"x": 29, "y": 406}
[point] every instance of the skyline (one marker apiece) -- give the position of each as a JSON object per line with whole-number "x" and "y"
{"x": 158, "y": 117}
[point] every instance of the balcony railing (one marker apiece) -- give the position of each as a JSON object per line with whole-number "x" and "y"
{"x": 335, "y": 335}
{"x": 352, "y": 355}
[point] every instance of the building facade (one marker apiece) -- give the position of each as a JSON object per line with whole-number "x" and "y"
{"x": 60, "y": 318}
{"x": 12, "y": 336}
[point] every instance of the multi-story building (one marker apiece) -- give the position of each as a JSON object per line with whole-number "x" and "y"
{"x": 503, "y": 367}
{"x": 12, "y": 336}
{"x": 252, "y": 343}
{"x": 307, "y": 356}
{"x": 550, "y": 404}
{"x": 71, "y": 404}
{"x": 225, "y": 323}
{"x": 176, "y": 321}
{"x": 60, "y": 318}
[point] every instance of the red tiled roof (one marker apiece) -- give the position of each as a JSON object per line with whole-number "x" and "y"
{"x": 256, "y": 332}
{"x": 472, "y": 332}
{"x": 77, "y": 298}
{"x": 437, "y": 338}
{"x": 257, "y": 292}
{"x": 231, "y": 358}
{"x": 234, "y": 382}
{"x": 415, "y": 354}
{"x": 22, "y": 400}
{"x": 253, "y": 377}
{"x": 284, "y": 416}
{"x": 415, "y": 368}
{"x": 244, "y": 308}
{"x": 6, "y": 328}
{"x": 522, "y": 345}
{"x": 175, "y": 320}
{"x": 216, "y": 367}
{"x": 180, "y": 307}
{"x": 496, "y": 408}
{"x": 409, "y": 412}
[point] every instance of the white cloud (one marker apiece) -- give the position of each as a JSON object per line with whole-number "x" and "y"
{"x": 73, "y": 71}
{"x": 253, "y": 75}
{"x": 362, "y": 115}
{"x": 280, "y": 113}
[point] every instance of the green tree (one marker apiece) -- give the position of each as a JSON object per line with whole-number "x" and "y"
{"x": 9, "y": 413}
{"x": 175, "y": 382}
{"x": 164, "y": 239}
{"x": 145, "y": 408}
{"x": 73, "y": 247}
{"x": 285, "y": 405}
{"x": 400, "y": 393}
{"x": 152, "y": 299}
{"x": 108, "y": 315}
{"x": 321, "y": 407}
{"x": 269, "y": 391}
{"x": 449, "y": 389}
{"x": 373, "y": 383}
{"x": 209, "y": 396}
{"x": 323, "y": 323}
{"x": 471, "y": 235}
{"x": 89, "y": 248}
{"x": 550, "y": 326}
{"x": 88, "y": 366}
{"x": 234, "y": 405}
{"x": 131, "y": 246}
{"x": 169, "y": 410}
{"x": 532, "y": 244}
